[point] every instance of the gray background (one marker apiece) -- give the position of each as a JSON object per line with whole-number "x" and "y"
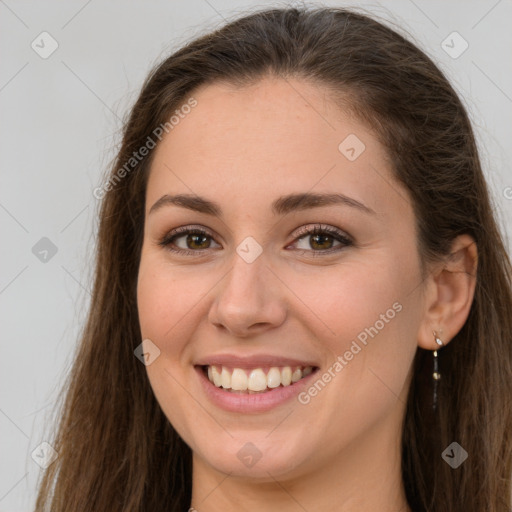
{"x": 61, "y": 121}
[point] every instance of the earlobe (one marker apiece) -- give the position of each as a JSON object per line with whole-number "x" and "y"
{"x": 451, "y": 291}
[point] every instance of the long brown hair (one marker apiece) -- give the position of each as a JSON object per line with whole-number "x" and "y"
{"x": 117, "y": 450}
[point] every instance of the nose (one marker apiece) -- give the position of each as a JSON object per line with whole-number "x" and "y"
{"x": 249, "y": 300}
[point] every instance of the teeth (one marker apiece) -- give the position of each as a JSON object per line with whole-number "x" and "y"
{"x": 225, "y": 378}
{"x": 217, "y": 379}
{"x": 239, "y": 379}
{"x": 286, "y": 376}
{"x": 296, "y": 375}
{"x": 273, "y": 378}
{"x": 257, "y": 380}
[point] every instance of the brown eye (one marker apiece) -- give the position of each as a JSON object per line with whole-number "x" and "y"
{"x": 322, "y": 239}
{"x": 194, "y": 240}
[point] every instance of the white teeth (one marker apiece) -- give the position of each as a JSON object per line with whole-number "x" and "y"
{"x": 257, "y": 380}
{"x": 286, "y": 376}
{"x": 296, "y": 375}
{"x": 225, "y": 378}
{"x": 273, "y": 378}
{"x": 217, "y": 379}
{"x": 239, "y": 380}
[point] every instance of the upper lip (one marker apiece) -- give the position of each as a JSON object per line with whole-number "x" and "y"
{"x": 254, "y": 361}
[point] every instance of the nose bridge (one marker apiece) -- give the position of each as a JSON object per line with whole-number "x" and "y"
{"x": 247, "y": 278}
{"x": 247, "y": 296}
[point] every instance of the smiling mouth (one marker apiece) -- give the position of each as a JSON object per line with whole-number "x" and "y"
{"x": 256, "y": 380}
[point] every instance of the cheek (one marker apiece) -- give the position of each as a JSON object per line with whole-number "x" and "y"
{"x": 164, "y": 304}
{"x": 164, "y": 301}
{"x": 368, "y": 320}
{"x": 351, "y": 297}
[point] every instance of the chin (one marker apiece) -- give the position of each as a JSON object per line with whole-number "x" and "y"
{"x": 260, "y": 460}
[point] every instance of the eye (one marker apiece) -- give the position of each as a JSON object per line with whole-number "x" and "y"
{"x": 196, "y": 240}
{"x": 322, "y": 239}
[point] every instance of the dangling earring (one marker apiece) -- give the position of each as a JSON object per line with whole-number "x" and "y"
{"x": 436, "y": 375}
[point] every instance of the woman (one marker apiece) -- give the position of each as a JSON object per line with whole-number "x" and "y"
{"x": 302, "y": 299}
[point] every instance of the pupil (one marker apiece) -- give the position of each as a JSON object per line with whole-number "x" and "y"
{"x": 195, "y": 237}
{"x": 324, "y": 237}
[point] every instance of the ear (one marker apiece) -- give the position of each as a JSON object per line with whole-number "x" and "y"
{"x": 450, "y": 289}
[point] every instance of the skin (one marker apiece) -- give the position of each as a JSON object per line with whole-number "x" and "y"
{"x": 243, "y": 148}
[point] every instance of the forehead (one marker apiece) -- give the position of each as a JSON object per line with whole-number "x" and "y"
{"x": 270, "y": 138}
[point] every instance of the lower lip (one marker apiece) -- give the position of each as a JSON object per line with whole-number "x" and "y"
{"x": 257, "y": 402}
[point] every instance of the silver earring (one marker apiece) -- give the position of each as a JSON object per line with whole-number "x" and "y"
{"x": 436, "y": 376}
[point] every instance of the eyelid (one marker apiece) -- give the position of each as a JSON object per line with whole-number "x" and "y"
{"x": 321, "y": 228}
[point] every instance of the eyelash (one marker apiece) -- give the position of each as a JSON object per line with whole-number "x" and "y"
{"x": 318, "y": 229}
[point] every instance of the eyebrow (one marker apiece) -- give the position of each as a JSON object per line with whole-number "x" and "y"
{"x": 281, "y": 206}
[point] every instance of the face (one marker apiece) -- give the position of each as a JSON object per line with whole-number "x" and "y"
{"x": 313, "y": 304}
